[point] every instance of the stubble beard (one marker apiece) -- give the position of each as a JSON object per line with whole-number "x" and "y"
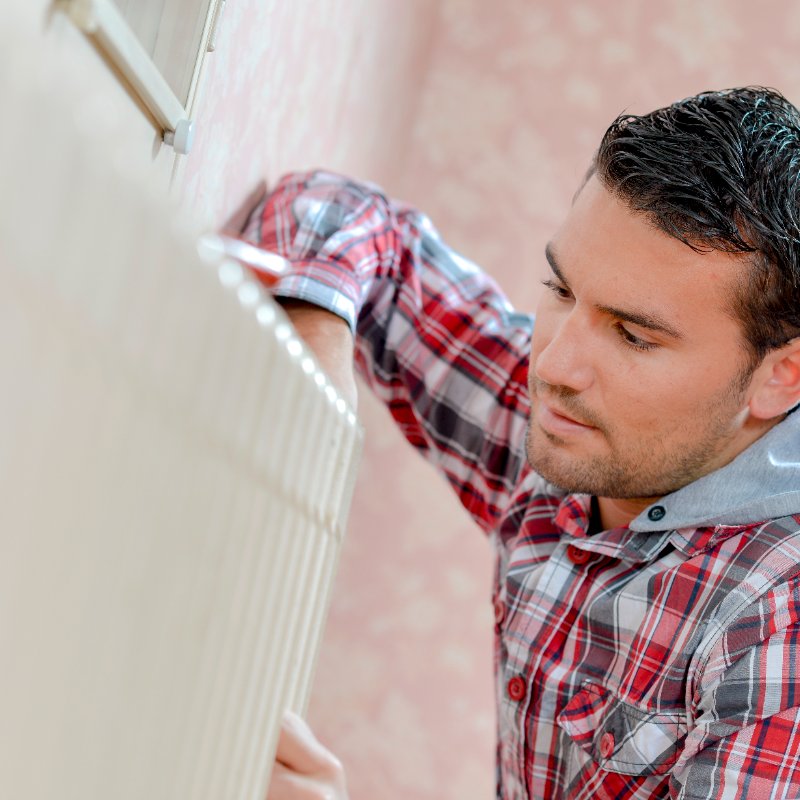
{"x": 651, "y": 465}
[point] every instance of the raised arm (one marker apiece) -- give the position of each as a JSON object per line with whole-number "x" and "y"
{"x": 435, "y": 338}
{"x": 331, "y": 340}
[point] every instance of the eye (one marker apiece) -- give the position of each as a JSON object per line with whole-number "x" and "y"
{"x": 634, "y": 341}
{"x": 561, "y": 292}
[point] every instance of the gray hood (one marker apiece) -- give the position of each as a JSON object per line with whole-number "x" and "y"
{"x": 762, "y": 482}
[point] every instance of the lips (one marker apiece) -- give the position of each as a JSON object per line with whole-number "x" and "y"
{"x": 555, "y": 421}
{"x": 560, "y": 413}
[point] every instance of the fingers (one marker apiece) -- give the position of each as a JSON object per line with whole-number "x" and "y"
{"x": 287, "y": 785}
{"x": 304, "y": 769}
{"x": 300, "y": 750}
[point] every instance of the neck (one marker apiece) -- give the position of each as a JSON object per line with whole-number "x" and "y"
{"x": 616, "y": 513}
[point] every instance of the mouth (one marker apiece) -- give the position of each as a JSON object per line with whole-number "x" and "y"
{"x": 555, "y": 421}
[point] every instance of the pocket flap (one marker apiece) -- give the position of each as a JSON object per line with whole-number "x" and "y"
{"x": 621, "y": 737}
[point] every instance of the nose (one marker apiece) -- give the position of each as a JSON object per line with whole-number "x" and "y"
{"x": 562, "y": 356}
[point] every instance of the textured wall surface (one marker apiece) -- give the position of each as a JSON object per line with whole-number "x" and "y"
{"x": 492, "y": 143}
{"x": 306, "y": 84}
{"x": 516, "y": 99}
{"x": 519, "y": 94}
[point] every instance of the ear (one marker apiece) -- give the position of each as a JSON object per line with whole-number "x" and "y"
{"x": 776, "y": 382}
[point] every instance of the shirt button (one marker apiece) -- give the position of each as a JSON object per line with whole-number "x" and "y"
{"x": 576, "y": 555}
{"x": 656, "y": 513}
{"x": 606, "y": 744}
{"x": 516, "y": 688}
{"x": 499, "y": 611}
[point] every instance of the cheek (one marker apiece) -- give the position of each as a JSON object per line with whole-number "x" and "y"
{"x": 638, "y": 393}
{"x": 657, "y": 401}
{"x": 648, "y": 407}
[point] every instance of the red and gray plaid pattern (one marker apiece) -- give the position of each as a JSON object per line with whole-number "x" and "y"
{"x": 628, "y": 664}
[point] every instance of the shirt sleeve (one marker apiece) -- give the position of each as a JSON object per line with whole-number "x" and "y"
{"x": 436, "y": 339}
{"x": 746, "y": 739}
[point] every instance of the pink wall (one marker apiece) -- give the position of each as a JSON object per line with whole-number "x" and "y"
{"x": 305, "y": 84}
{"x": 516, "y": 97}
{"x": 519, "y": 94}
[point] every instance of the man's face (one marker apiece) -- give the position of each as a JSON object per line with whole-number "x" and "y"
{"x": 638, "y": 375}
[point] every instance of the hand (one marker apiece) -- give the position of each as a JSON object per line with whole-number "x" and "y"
{"x": 330, "y": 340}
{"x": 304, "y": 769}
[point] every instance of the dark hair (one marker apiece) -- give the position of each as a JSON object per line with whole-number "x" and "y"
{"x": 721, "y": 171}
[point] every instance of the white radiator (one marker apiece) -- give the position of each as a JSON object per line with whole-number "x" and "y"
{"x": 175, "y": 474}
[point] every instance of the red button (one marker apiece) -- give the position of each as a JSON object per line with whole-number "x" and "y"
{"x": 499, "y": 611}
{"x": 576, "y": 555}
{"x": 606, "y": 744}
{"x": 516, "y": 688}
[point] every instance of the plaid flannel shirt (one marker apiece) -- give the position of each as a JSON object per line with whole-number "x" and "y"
{"x": 628, "y": 664}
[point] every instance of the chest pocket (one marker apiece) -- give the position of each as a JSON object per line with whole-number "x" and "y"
{"x": 620, "y": 737}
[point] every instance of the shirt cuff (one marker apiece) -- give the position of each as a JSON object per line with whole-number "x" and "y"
{"x": 318, "y": 293}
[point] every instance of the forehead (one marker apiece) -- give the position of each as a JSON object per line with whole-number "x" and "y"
{"x": 612, "y": 256}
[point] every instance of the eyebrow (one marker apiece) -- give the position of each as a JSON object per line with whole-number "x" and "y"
{"x": 642, "y": 319}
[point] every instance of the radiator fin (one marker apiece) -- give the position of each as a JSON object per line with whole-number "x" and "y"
{"x": 175, "y": 474}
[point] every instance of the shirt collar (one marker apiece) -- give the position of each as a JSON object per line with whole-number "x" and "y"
{"x": 636, "y": 547}
{"x": 691, "y": 541}
{"x": 573, "y": 516}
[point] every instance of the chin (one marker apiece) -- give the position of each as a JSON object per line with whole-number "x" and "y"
{"x": 566, "y": 472}
{"x": 600, "y": 475}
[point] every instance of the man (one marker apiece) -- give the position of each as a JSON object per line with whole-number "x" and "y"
{"x": 633, "y": 456}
